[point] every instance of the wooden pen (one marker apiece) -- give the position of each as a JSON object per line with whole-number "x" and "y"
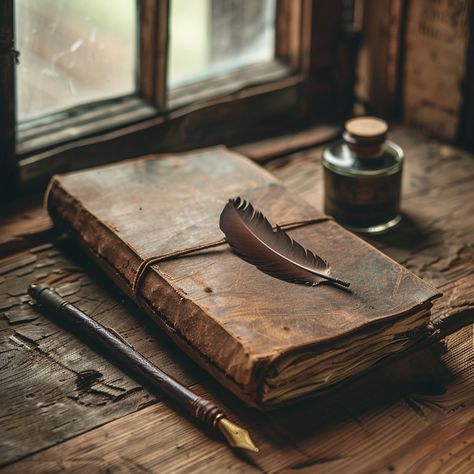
{"x": 139, "y": 367}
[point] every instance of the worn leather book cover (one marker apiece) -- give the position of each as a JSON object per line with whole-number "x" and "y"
{"x": 269, "y": 341}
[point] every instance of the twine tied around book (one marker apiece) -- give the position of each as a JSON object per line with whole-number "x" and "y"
{"x": 147, "y": 262}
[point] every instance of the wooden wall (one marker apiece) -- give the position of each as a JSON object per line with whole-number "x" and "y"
{"x": 416, "y": 64}
{"x": 435, "y": 65}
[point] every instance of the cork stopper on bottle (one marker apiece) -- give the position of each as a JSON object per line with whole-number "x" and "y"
{"x": 365, "y": 136}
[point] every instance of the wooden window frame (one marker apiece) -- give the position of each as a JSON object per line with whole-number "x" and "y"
{"x": 250, "y": 103}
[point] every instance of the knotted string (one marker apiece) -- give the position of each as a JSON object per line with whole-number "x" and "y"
{"x": 208, "y": 245}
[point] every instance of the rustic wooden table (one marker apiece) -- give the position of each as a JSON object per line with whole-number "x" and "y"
{"x": 63, "y": 407}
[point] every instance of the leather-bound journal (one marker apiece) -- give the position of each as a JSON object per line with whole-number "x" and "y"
{"x": 152, "y": 224}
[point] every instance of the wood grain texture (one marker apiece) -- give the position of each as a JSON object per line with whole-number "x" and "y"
{"x": 321, "y": 46}
{"x": 436, "y": 45}
{"x": 87, "y": 120}
{"x": 372, "y": 425}
{"x": 225, "y": 84}
{"x": 291, "y": 142}
{"x": 434, "y": 239}
{"x": 379, "y": 62}
{"x": 306, "y": 38}
{"x": 227, "y": 119}
{"x": 46, "y": 371}
{"x": 24, "y": 223}
{"x": 417, "y": 415}
{"x": 248, "y": 324}
{"x": 154, "y": 16}
{"x": 467, "y": 115}
{"x": 290, "y": 30}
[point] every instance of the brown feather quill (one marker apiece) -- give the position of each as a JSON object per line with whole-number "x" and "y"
{"x": 272, "y": 251}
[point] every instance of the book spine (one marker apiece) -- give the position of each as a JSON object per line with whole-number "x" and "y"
{"x": 157, "y": 297}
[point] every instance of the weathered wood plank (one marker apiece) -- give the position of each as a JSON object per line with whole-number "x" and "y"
{"x": 434, "y": 240}
{"x": 23, "y": 224}
{"x": 290, "y": 143}
{"x": 154, "y": 51}
{"x": 378, "y": 68}
{"x": 63, "y": 388}
{"x": 430, "y": 167}
{"x": 26, "y": 223}
{"x": 433, "y": 167}
{"x": 372, "y": 428}
{"x": 181, "y": 130}
{"x": 436, "y": 42}
{"x": 53, "y": 386}
{"x": 369, "y": 425}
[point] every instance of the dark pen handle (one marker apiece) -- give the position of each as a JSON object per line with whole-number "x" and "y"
{"x": 133, "y": 361}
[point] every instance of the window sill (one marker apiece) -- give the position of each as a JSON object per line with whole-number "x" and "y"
{"x": 87, "y": 120}
{"x": 225, "y": 110}
{"x": 226, "y": 84}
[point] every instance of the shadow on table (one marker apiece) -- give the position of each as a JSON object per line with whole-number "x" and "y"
{"x": 408, "y": 234}
{"x": 419, "y": 374}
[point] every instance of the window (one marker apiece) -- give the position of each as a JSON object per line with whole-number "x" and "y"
{"x": 73, "y": 53}
{"x": 226, "y": 35}
{"x": 104, "y": 80}
{"x": 77, "y": 66}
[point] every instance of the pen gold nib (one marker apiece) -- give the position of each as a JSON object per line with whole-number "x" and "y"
{"x": 236, "y": 436}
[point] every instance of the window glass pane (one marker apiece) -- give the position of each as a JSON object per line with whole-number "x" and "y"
{"x": 212, "y": 37}
{"x": 73, "y": 52}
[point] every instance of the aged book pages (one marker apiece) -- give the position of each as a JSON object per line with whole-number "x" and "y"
{"x": 267, "y": 340}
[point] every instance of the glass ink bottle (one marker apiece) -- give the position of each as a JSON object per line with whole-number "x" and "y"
{"x": 362, "y": 177}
